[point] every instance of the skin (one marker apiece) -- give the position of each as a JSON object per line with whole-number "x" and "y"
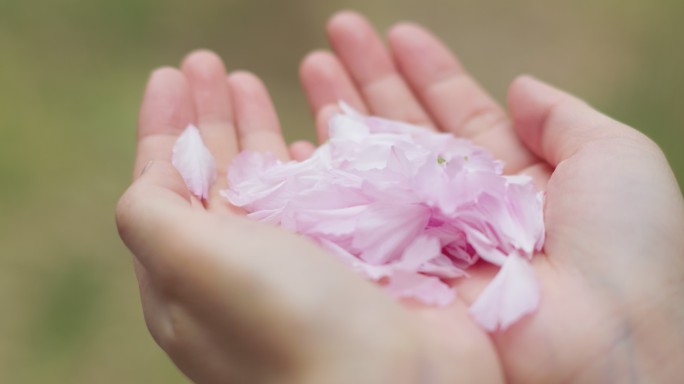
{"x": 235, "y": 301}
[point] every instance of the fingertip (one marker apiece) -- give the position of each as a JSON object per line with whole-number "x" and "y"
{"x": 204, "y": 70}
{"x": 163, "y": 78}
{"x": 555, "y": 124}
{"x": 166, "y": 105}
{"x": 404, "y": 29}
{"x": 202, "y": 62}
{"x": 247, "y": 82}
{"x": 163, "y": 73}
{"x": 325, "y": 80}
{"x": 323, "y": 120}
{"x": 529, "y": 101}
{"x": 345, "y": 20}
{"x": 301, "y": 150}
{"x": 240, "y": 74}
{"x": 254, "y": 108}
{"x": 416, "y": 40}
{"x": 525, "y": 85}
{"x": 359, "y": 47}
{"x": 420, "y": 55}
{"x": 256, "y": 119}
{"x": 518, "y": 91}
{"x": 524, "y": 78}
{"x": 318, "y": 63}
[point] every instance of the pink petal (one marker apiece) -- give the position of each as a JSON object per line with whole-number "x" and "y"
{"x": 194, "y": 162}
{"x": 248, "y": 164}
{"x": 371, "y": 272}
{"x": 425, "y": 255}
{"x": 333, "y": 222}
{"x": 442, "y": 267}
{"x": 422, "y": 250}
{"x": 429, "y": 290}
{"x": 406, "y": 207}
{"x": 385, "y": 229}
{"x": 513, "y": 293}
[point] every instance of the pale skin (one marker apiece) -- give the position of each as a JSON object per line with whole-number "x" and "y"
{"x": 235, "y": 301}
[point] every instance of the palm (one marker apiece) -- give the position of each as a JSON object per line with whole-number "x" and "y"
{"x": 602, "y": 216}
{"x": 424, "y": 84}
{"x": 590, "y": 208}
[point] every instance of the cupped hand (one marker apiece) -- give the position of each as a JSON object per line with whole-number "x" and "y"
{"x": 232, "y": 300}
{"x": 612, "y": 269}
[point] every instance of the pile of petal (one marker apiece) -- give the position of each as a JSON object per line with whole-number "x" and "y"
{"x": 407, "y": 207}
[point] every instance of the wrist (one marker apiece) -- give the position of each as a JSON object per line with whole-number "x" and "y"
{"x": 658, "y": 343}
{"x": 649, "y": 348}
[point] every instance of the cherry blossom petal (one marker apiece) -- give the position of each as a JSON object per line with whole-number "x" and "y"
{"x": 513, "y": 293}
{"x": 406, "y": 207}
{"x": 194, "y": 162}
{"x": 426, "y": 289}
{"x": 384, "y": 230}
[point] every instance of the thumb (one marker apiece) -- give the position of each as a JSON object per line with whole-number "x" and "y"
{"x": 161, "y": 175}
{"x": 156, "y": 200}
{"x": 555, "y": 124}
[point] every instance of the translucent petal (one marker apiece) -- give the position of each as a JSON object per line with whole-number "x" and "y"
{"x": 406, "y": 207}
{"x": 513, "y": 293}
{"x": 194, "y": 162}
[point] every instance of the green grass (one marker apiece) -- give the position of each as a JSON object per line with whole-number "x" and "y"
{"x": 71, "y": 75}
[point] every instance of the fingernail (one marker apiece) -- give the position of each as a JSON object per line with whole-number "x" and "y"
{"x": 147, "y": 166}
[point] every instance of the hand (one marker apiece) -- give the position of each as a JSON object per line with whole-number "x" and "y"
{"x": 232, "y": 300}
{"x": 612, "y": 270}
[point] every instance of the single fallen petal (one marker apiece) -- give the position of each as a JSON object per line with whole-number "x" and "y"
{"x": 194, "y": 162}
{"x": 513, "y": 293}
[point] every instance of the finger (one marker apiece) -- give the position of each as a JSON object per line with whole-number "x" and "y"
{"x": 152, "y": 215}
{"x": 256, "y": 119}
{"x": 540, "y": 172}
{"x": 166, "y": 111}
{"x": 148, "y": 207}
{"x": 206, "y": 75}
{"x": 325, "y": 81}
{"x": 370, "y": 65}
{"x": 323, "y": 120}
{"x": 554, "y": 124}
{"x": 301, "y": 150}
{"x": 453, "y": 98}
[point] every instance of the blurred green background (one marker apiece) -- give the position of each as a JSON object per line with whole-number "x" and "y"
{"x": 71, "y": 77}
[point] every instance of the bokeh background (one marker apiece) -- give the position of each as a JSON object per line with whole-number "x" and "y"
{"x": 71, "y": 77}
